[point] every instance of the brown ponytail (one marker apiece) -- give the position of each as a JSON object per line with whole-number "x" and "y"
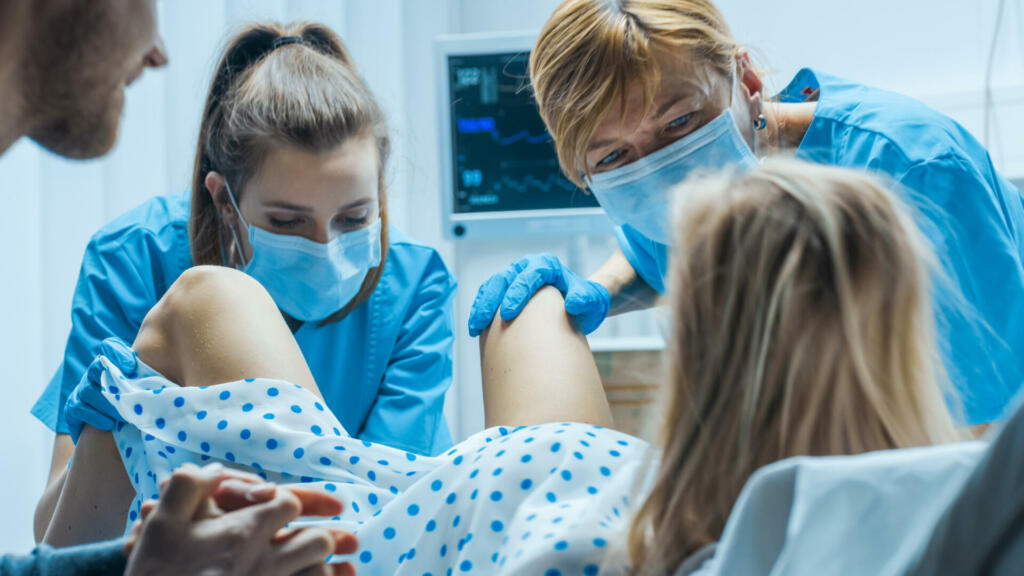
{"x": 304, "y": 95}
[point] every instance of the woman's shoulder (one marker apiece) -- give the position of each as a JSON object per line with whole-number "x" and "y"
{"x": 410, "y": 262}
{"x": 161, "y": 218}
{"x": 878, "y": 125}
{"x": 408, "y": 246}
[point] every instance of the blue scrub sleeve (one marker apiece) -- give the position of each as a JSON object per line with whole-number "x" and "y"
{"x": 111, "y": 299}
{"x": 409, "y": 411}
{"x": 977, "y": 229}
{"x": 643, "y": 255}
{"x": 102, "y": 559}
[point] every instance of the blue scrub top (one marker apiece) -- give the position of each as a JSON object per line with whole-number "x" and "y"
{"x": 383, "y": 370}
{"x": 973, "y": 216}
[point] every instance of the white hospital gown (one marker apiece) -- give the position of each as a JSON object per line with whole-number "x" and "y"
{"x": 550, "y": 499}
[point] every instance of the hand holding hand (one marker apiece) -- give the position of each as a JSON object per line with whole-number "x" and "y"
{"x": 215, "y": 521}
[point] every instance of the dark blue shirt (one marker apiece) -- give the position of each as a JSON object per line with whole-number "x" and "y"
{"x": 101, "y": 559}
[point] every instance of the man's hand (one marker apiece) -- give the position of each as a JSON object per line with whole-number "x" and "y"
{"x": 213, "y": 521}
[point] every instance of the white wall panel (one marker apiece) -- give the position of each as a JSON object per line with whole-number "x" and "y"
{"x": 138, "y": 166}
{"x": 329, "y": 12}
{"x": 193, "y": 45}
{"x": 374, "y": 34}
{"x": 72, "y": 202}
{"x": 25, "y": 445}
{"x": 256, "y": 10}
{"x": 421, "y": 23}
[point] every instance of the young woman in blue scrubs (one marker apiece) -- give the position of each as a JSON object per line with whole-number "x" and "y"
{"x": 639, "y": 95}
{"x": 289, "y": 187}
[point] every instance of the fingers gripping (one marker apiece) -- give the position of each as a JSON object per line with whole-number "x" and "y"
{"x": 489, "y": 298}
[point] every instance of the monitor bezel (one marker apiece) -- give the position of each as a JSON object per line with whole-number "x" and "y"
{"x": 501, "y": 224}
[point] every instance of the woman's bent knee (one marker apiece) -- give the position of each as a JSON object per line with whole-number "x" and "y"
{"x": 203, "y": 287}
{"x": 198, "y": 294}
{"x": 205, "y": 290}
{"x": 545, "y": 310}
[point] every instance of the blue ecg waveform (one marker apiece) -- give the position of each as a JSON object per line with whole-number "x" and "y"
{"x": 527, "y": 183}
{"x": 486, "y": 124}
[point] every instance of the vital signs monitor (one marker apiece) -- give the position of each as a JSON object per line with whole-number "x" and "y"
{"x": 499, "y": 169}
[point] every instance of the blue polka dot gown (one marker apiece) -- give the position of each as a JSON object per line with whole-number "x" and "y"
{"x": 548, "y": 499}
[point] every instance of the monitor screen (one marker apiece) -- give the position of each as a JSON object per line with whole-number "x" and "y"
{"x": 503, "y": 158}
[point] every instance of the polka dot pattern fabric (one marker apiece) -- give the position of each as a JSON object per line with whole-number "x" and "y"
{"x": 550, "y": 499}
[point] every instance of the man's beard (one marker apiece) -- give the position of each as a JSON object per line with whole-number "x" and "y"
{"x": 75, "y": 94}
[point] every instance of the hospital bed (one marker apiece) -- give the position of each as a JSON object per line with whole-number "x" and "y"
{"x": 953, "y": 509}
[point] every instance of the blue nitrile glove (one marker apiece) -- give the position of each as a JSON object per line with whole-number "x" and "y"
{"x": 510, "y": 290}
{"x": 87, "y": 405}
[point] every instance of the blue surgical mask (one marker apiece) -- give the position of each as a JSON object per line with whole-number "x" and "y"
{"x": 640, "y": 193}
{"x": 308, "y": 280}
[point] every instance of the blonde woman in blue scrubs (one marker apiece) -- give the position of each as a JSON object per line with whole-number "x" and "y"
{"x": 640, "y": 94}
{"x": 288, "y": 187}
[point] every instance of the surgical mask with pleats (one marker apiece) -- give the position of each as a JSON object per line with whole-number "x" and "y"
{"x": 639, "y": 193}
{"x": 308, "y": 280}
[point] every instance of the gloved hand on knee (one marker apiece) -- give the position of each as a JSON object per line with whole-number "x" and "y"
{"x": 509, "y": 290}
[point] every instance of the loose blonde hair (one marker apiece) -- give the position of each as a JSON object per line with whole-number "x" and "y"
{"x": 306, "y": 95}
{"x": 591, "y": 51}
{"x": 803, "y": 326}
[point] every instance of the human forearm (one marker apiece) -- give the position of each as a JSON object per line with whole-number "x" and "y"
{"x": 628, "y": 291}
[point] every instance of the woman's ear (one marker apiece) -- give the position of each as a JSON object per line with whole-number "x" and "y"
{"x": 219, "y": 194}
{"x": 753, "y": 88}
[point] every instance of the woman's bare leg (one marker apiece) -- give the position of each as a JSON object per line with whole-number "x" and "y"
{"x": 214, "y": 325}
{"x": 538, "y": 368}
{"x": 219, "y": 325}
{"x": 96, "y": 495}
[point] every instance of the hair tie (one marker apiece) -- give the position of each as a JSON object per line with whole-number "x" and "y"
{"x": 285, "y": 40}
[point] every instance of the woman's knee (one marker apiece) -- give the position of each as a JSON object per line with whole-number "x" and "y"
{"x": 545, "y": 310}
{"x": 205, "y": 290}
{"x": 202, "y": 288}
{"x": 199, "y": 294}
